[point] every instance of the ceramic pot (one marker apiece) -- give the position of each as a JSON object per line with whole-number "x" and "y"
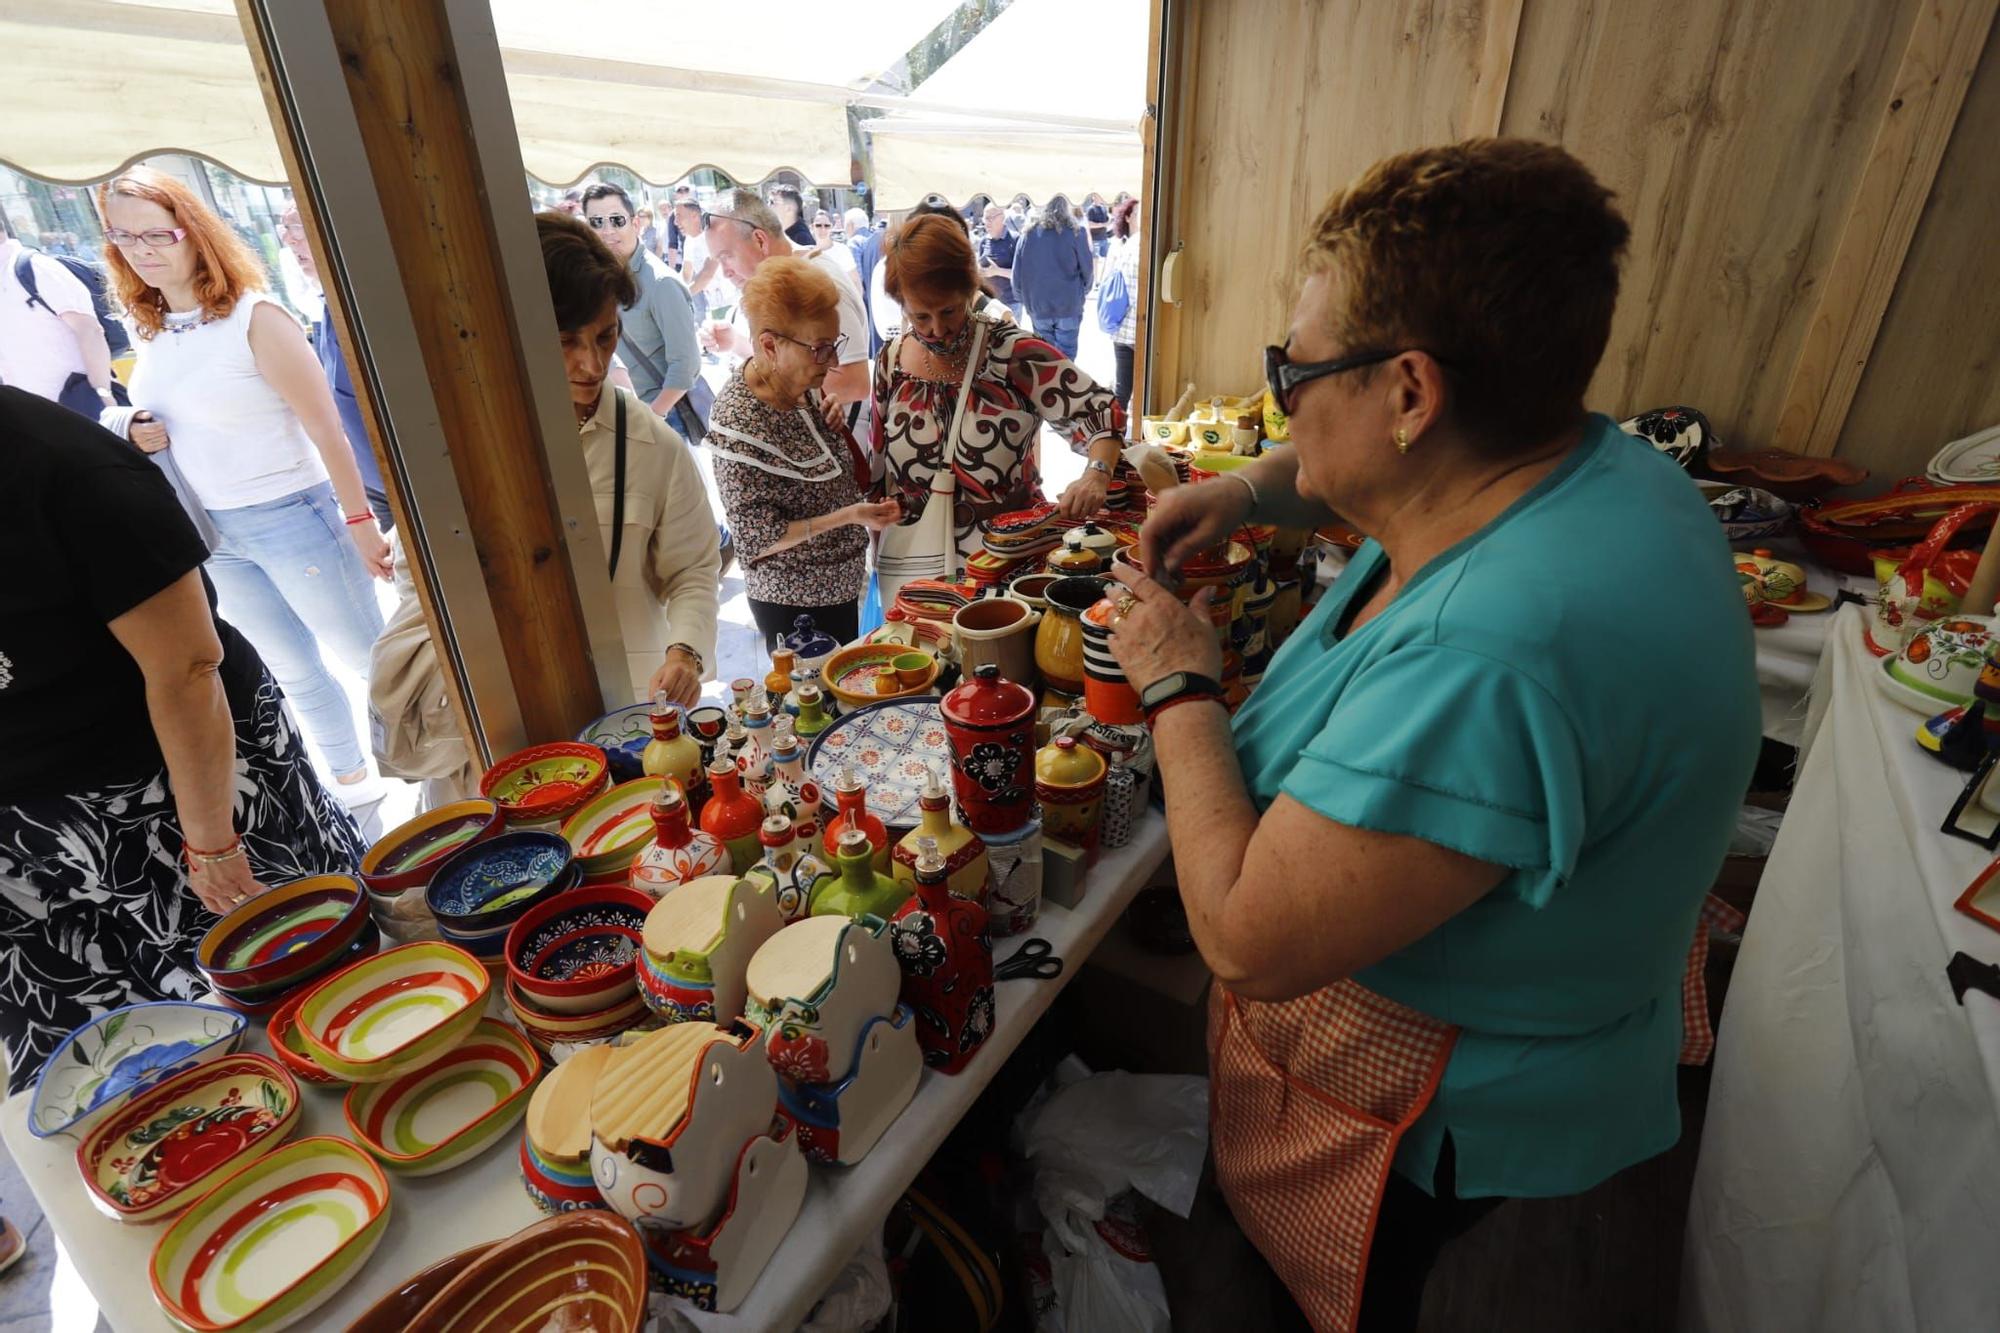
{"x": 990, "y": 724}
{"x": 1030, "y": 588}
{"x": 1069, "y": 782}
{"x": 732, "y": 816}
{"x": 947, "y": 960}
{"x": 809, "y": 645}
{"x": 671, "y": 753}
{"x": 1107, "y": 695}
{"x": 999, "y": 631}
{"x": 1059, "y": 641}
{"x": 1074, "y": 556}
{"x": 1940, "y": 666}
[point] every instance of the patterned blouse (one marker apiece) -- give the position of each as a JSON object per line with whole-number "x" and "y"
{"x": 771, "y": 468}
{"x": 1021, "y": 383}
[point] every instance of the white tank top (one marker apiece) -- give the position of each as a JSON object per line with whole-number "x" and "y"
{"x": 237, "y": 441}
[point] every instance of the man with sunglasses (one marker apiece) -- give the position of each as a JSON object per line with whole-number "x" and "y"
{"x": 657, "y": 342}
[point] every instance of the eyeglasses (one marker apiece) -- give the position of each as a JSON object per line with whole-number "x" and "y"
{"x": 615, "y": 221}
{"x": 822, "y": 353}
{"x": 159, "y": 238}
{"x": 1284, "y": 375}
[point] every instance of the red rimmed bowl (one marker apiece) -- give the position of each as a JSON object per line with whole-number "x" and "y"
{"x": 545, "y": 1029}
{"x": 575, "y": 953}
{"x": 288, "y": 1046}
{"x": 394, "y": 1012}
{"x": 403, "y": 858}
{"x": 392, "y": 1314}
{"x": 264, "y": 1001}
{"x": 546, "y": 783}
{"x": 284, "y": 934}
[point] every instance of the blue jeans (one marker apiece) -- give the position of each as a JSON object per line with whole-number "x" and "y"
{"x": 1060, "y": 332}
{"x": 286, "y": 572}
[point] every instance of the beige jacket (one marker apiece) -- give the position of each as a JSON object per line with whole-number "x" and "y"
{"x": 671, "y": 563}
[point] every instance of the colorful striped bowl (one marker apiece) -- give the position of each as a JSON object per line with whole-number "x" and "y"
{"x": 450, "y": 1111}
{"x": 393, "y": 1312}
{"x": 165, "y": 1148}
{"x": 574, "y": 954}
{"x": 557, "y": 1187}
{"x": 273, "y": 1242}
{"x": 394, "y": 1012}
{"x": 288, "y": 1048}
{"x": 608, "y": 833}
{"x": 404, "y": 857}
{"x": 264, "y": 1001}
{"x": 280, "y": 936}
{"x": 584, "y": 1270}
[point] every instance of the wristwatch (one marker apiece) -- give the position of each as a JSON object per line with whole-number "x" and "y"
{"x": 700, "y": 662}
{"x": 1177, "y": 685}
{"x": 1098, "y": 465}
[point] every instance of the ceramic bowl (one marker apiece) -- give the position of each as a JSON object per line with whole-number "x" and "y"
{"x": 392, "y": 1314}
{"x": 395, "y": 1012}
{"x": 288, "y": 1046}
{"x": 1940, "y": 664}
{"x": 853, "y": 672}
{"x": 98, "y": 1066}
{"x": 283, "y": 934}
{"x": 264, "y": 1001}
{"x": 451, "y": 1111}
{"x": 608, "y": 833}
{"x": 546, "y": 783}
{"x": 574, "y": 955}
{"x": 403, "y": 858}
{"x": 164, "y": 1148}
{"x": 274, "y": 1241}
{"x": 497, "y": 882}
{"x": 557, "y": 1187}
{"x": 584, "y": 1270}
{"x": 551, "y": 1026}
{"x": 622, "y": 734}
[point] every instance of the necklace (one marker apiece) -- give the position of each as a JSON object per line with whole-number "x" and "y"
{"x": 180, "y": 321}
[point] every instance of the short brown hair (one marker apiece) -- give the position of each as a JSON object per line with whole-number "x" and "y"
{"x": 930, "y": 255}
{"x": 1499, "y": 257}
{"x": 786, "y": 288}
{"x": 583, "y": 273}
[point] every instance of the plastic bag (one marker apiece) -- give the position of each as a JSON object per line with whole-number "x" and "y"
{"x": 1756, "y": 831}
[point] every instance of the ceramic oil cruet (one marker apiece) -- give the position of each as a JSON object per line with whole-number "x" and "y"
{"x": 850, "y": 794}
{"x": 947, "y": 961}
{"x": 778, "y": 684}
{"x": 790, "y": 791}
{"x": 732, "y": 815}
{"x": 753, "y": 755}
{"x": 671, "y": 753}
{"x": 813, "y": 717}
{"x": 679, "y": 852}
{"x": 990, "y": 724}
{"x": 780, "y": 856}
{"x": 964, "y": 852}
{"x": 856, "y": 889}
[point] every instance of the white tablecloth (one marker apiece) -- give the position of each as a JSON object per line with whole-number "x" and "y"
{"x": 1788, "y": 654}
{"x": 1850, "y": 1167}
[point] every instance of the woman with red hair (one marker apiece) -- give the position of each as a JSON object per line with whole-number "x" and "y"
{"x": 234, "y": 389}
{"x": 960, "y": 398}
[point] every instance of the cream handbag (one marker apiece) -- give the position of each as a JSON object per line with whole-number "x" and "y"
{"x": 928, "y": 548}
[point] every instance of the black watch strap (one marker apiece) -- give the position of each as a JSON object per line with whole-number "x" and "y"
{"x": 1174, "y": 685}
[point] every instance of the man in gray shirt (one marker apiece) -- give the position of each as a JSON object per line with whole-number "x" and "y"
{"x": 657, "y": 339}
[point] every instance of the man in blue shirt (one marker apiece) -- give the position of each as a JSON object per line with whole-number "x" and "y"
{"x": 333, "y": 362}
{"x": 657, "y": 340}
{"x": 996, "y": 257}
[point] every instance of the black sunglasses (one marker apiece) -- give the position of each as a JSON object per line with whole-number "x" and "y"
{"x": 611, "y": 220}
{"x": 1285, "y": 375}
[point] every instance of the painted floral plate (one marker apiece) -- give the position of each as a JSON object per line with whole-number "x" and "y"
{"x": 894, "y": 745}
{"x": 125, "y": 1051}
{"x": 273, "y": 1242}
{"x": 622, "y": 734}
{"x": 449, "y": 1112}
{"x": 164, "y": 1149}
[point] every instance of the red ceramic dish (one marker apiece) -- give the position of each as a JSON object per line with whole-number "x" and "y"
{"x": 284, "y": 934}
{"x": 1842, "y": 534}
{"x": 574, "y": 954}
{"x": 546, "y": 782}
{"x": 404, "y": 857}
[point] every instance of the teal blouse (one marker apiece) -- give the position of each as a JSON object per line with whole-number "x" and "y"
{"x": 1571, "y": 693}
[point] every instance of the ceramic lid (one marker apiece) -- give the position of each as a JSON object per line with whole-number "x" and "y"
{"x": 1064, "y": 763}
{"x": 988, "y": 700}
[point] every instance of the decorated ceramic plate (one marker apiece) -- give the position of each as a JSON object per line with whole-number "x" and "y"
{"x": 622, "y": 734}
{"x": 1972, "y": 461}
{"x": 274, "y": 1241}
{"x": 394, "y": 1012}
{"x": 894, "y": 745}
{"x": 165, "y": 1148}
{"x": 546, "y": 781}
{"x": 449, "y": 1112}
{"x": 125, "y": 1051}
{"x": 855, "y": 674}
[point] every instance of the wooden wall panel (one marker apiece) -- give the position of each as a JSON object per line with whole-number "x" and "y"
{"x": 1934, "y": 372}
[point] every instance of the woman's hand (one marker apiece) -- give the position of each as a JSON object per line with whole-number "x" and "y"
{"x": 875, "y": 515}
{"x": 148, "y": 435}
{"x": 1085, "y": 496}
{"x": 374, "y": 548}
{"x": 1153, "y": 634}
{"x": 1187, "y": 520}
{"x": 224, "y": 886}
{"x": 678, "y": 677}
{"x": 832, "y": 411}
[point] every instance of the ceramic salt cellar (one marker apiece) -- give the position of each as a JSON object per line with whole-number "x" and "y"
{"x": 672, "y": 753}
{"x": 1069, "y": 782}
{"x": 732, "y": 815}
{"x": 857, "y": 888}
{"x": 947, "y": 961}
{"x": 990, "y": 724}
{"x": 964, "y": 853}
{"x": 850, "y": 795}
{"x": 679, "y": 852}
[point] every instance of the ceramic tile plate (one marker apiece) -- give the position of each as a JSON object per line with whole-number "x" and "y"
{"x": 894, "y": 746}
{"x": 125, "y": 1051}
{"x": 274, "y": 1241}
{"x": 164, "y": 1149}
{"x": 448, "y": 1112}
{"x": 1972, "y": 461}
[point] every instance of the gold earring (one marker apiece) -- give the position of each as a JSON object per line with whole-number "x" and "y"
{"x": 1402, "y": 440}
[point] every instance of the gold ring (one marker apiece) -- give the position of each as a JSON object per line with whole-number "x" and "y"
{"x": 1124, "y": 606}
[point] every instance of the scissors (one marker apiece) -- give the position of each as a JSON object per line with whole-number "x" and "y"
{"x": 1034, "y": 960}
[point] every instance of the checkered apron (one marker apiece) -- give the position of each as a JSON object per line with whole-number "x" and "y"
{"x": 1308, "y": 1100}
{"x": 1718, "y": 918}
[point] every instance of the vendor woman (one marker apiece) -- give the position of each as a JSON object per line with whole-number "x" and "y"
{"x": 1446, "y": 863}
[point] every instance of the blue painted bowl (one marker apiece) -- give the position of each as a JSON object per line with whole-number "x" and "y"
{"x": 622, "y": 734}
{"x": 495, "y": 882}
{"x": 101, "y": 1064}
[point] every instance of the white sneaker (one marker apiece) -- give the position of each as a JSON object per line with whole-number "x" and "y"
{"x": 354, "y": 795}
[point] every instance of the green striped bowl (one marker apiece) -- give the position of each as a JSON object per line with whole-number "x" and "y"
{"x": 451, "y": 1111}
{"x": 273, "y": 1242}
{"x": 393, "y": 1013}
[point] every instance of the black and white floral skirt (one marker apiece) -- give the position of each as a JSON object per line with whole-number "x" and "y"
{"x": 95, "y": 907}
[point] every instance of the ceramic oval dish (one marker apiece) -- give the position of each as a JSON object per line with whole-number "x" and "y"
{"x": 404, "y": 857}
{"x": 543, "y": 784}
{"x": 451, "y": 1111}
{"x": 394, "y": 1012}
{"x": 163, "y": 1149}
{"x": 274, "y": 1241}
{"x": 123, "y": 1052}
{"x": 280, "y": 936}
{"x": 579, "y": 1272}
{"x": 288, "y": 1047}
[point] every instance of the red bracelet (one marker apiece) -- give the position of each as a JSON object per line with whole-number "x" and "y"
{"x": 1153, "y": 715}
{"x": 352, "y": 519}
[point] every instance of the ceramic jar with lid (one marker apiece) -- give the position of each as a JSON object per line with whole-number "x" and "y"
{"x": 990, "y": 724}
{"x": 1069, "y": 782}
{"x": 809, "y": 644}
{"x": 1059, "y": 641}
{"x": 947, "y": 962}
{"x": 1074, "y": 557}
{"x": 679, "y": 852}
{"x": 963, "y": 851}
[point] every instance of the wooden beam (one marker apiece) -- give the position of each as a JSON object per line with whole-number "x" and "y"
{"x": 1945, "y": 42}
{"x": 1498, "y": 34}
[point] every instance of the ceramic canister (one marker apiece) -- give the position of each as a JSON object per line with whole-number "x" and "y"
{"x": 990, "y": 723}
{"x": 1030, "y": 588}
{"x": 1107, "y": 695}
{"x": 1069, "y": 782}
{"x": 1000, "y": 631}
{"x": 1121, "y": 785}
{"x": 1059, "y": 641}
{"x": 1015, "y": 899}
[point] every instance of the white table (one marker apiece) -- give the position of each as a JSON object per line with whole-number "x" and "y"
{"x": 1852, "y": 1144}
{"x": 483, "y": 1200}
